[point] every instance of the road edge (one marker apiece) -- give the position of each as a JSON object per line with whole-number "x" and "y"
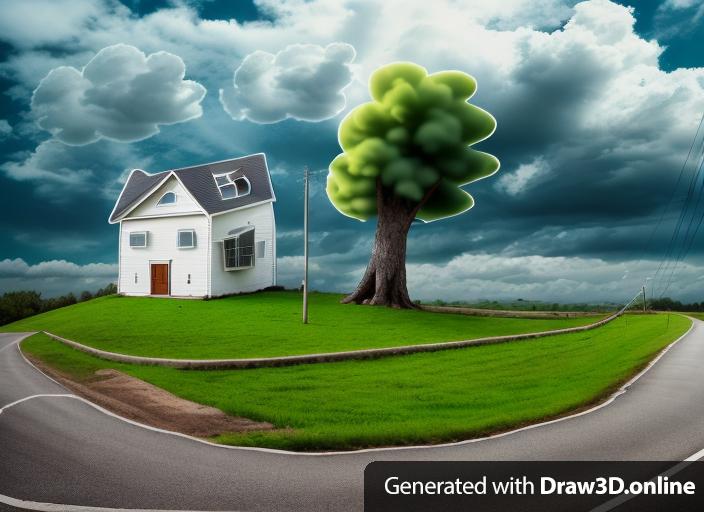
{"x": 605, "y": 402}
{"x": 53, "y": 507}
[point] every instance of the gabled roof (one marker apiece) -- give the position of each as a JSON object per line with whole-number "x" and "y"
{"x": 199, "y": 182}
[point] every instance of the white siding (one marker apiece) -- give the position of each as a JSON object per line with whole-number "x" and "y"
{"x": 162, "y": 248}
{"x": 263, "y": 273}
{"x": 184, "y": 203}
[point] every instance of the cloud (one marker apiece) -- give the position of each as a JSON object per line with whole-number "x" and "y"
{"x": 475, "y": 276}
{"x": 589, "y": 100}
{"x": 55, "y": 268}
{"x": 121, "y": 94}
{"x": 678, "y": 4}
{"x": 55, "y": 277}
{"x": 565, "y": 279}
{"x": 516, "y": 182}
{"x": 677, "y": 18}
{"x": 304, "y": 82}
{"x": 571, "y": 84}
{"x": 57, "y": 242}
{"x": 61, "y": 172}
{"x": 5, "y": 129}
{"x": 289, "y": 270}
{"x": 50, "y": 22}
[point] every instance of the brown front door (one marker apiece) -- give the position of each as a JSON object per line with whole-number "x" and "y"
{"x": 160, "y": 278}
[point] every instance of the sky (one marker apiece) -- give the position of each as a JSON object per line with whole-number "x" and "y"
{"x": 597, "y": 105}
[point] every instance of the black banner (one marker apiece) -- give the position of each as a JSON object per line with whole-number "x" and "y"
{"x": 534, "y": 486}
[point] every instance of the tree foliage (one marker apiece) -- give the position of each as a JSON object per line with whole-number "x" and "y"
{"x": 21, "y": 304}
{"x": 412, "y": 142}
{"x": 667, "y": 304}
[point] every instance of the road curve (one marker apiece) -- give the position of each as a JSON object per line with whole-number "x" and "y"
{"x": 59, "y": 449}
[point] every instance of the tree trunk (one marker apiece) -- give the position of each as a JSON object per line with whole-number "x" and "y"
{"x": 384, "y": 282}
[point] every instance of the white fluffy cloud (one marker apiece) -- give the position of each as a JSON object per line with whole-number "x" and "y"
{"x": 303, "y": 81}
{"x": 55, "y": 277}
{"x": 566, "y": 279}
{"x": 121, "y": 94}
{"x": 55, "y": 268}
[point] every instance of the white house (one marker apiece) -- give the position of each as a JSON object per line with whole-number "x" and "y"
{"x": 199, "y": 231}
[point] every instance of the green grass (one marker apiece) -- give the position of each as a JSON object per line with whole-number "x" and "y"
{"x": 698, "y": 316}
{"x": 259, "y": 325}
{"x": 421, "y": 398}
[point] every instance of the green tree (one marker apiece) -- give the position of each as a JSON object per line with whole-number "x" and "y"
{"x": 16, "y": 305}
{"x": 406, "y": 155}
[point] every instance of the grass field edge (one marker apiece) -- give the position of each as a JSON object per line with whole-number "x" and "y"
{"x": 326, "y": 357}
{"x": 592, "y": 405}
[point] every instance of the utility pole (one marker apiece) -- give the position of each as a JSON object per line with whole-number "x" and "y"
{"x": 305, "y": 245}
{"x": 644, "y": 303}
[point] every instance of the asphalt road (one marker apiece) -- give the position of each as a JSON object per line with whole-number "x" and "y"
{"x": 58, "y": 449}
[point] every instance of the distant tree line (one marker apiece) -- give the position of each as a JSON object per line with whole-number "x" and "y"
{"x": 526, "y": 305}
{"x": 667, "y": 304}
{"x": 664, "y": 304}
{"x": 17, "y": 305}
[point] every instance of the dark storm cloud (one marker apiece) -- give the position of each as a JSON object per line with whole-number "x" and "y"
{"x": 604, "y": 188}
{"x": 591, "y": 135}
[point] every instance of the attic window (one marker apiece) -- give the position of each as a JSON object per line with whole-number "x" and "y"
{"x": 232, "y": 185}
{"x": 167, "y": 199}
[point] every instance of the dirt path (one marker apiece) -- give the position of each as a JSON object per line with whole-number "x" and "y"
{"x": 140, "y": 401}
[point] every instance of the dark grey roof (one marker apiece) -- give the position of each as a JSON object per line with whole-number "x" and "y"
{"x": 200, "y": 183}
{"x": 137, "y": 184}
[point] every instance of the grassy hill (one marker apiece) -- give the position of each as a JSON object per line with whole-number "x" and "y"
{"x": 262, "y": 324}
{"x": 420, "y": 398}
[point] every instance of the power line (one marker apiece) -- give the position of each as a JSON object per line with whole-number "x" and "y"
{"x": 665, "y": 263}
{"x": 688, "y": 240}
{"x": 674, "y": 255}
{"x": 674, "y": 189}
{"x": 666, "y": 209}
{"x": 680, "y": 221}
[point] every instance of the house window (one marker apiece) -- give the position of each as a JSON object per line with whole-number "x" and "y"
{"x": 138, "y": 239}
{"x": 167, "y": 199}
{"x": 232, "y": 185}
{"x": 261, "y": 248}
{"x": 238, "y": 251}
{"x": 186, "y": 238}
{"x": 188, "y": 281}
{"x": 135, "y": 278}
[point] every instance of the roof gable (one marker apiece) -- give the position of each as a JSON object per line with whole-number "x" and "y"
{"x": 138, "y": 184}
{"x": 200, "y": 183}
{"x": 149, "y": 205}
